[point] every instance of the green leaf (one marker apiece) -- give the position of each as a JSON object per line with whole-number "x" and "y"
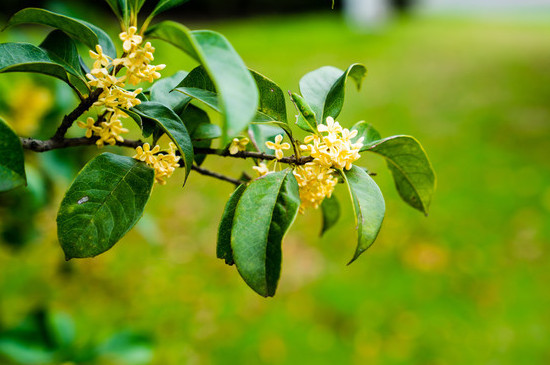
{"x": 272, "y": 105}
{"x": 367, "y": 131}
{"x": 306, "y": 116}
{"x": 369, "y": 207}
{"x": 164, "y": 5}
{"x": 206, "y": 97}
{"x": 198, "y": 85}
{"x": 22, "y": 352}
{"x": 264, "y": 132}
{"x": 194, "y": 118}
{"x": 104, "y": 40}
{"x": 330, "y": 208}
{"x": 412, "y": 171}
{"x": 120, "y": 8}
{"x": 237, "y": 91}
{"x": 62, "y": 49}
{"x": 25, "y": 57}
{"x": 136, "y": 5}
{"x": 206, "y": 131}
{"x": 126, "y": 348}
{"x": 12, "y": 164}
{"x": 223, "y": 247}
{"x": 161, "y": 92}
{"x": 263, "y": 215}
{"x": 171, "y": 124}
{"x": 72, "y": 27}
{"x": 324, "y": 89}
{"x": 104, "y": 202}
{"x": 61, "y": 328}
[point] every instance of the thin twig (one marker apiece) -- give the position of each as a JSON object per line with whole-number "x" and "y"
{"x": 216, "y": 175}
{"x": 249, "y": 154}
{"x": 253, "y": 140}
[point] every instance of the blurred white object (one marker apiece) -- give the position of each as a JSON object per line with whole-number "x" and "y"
{"x": 367, "y": 14}
{"x": 482, "y": 5}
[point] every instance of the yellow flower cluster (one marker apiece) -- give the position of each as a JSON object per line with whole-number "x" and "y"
{"x": 164, "y": 163}
{"x": 331, "y": 149}
{"x": 315, "y": 182}
{"x": 136, "y": 61}
{"x": 108, "y": 132}
{"x": 335, "y": 148}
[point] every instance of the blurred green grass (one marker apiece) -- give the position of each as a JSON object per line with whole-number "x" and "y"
{"x": 468, "y": 284}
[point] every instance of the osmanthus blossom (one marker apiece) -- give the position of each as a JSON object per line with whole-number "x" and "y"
{"x": 332, "y": 149}
{"x": 278, "y": 146}
{"x": 114, "y": 97}
{"x": 238, "y": 144}
{"x": 163, "y": 162}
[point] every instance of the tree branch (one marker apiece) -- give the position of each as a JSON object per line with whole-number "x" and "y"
{"x": 249, "y": 154}
{"x": 69, "y": 119}
{"x": 37, "y": 145}
{"x": 216, "y": 175}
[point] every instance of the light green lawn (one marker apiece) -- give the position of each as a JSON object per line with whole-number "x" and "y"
{"x": 467, "y": 285}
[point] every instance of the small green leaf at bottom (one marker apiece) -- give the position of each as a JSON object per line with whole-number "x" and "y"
{"x": 104, "y": 202}
{"x": 263, "y": 215}
{"x": 223, "y": 248}
{"x": 330, "y": 208}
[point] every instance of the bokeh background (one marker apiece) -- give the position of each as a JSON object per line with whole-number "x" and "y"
{"x": 466, "y": 285}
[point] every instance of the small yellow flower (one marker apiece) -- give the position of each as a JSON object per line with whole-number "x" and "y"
{"x": 261, "y": 169}
{"x": 238, "y": 145}
{"x": 277, "y": 146}
{"x": 89, "y": 126}
{"x": 130, "y": 39}
{"x": 332, "y": 126}
{"x": 100, "y": 57}
{"x": 145, "y": 153}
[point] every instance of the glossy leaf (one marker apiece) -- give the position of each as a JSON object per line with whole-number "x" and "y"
{"x": 305, "y": 119}
{"x": 104, "y": 202}
{"x": 412, "y": 171}
{"x": 206, "y": 131}
{"x": 12, "y": 164}
{"x": 171, "y": 124}
{"x": 62, "y": 49}
{"x": 194, "y": 118}
{"x": 263, "y": 215}
{"x": 367, "y": 131}
{"x": 206, "y": 97}
{"x": 161, "y": 92}
{"x": 330, "y": 208}
{"x": 324, "y": 89}
{"x": 223, "y": 247}
{"x": 264, "y": 132}
{"x": 25, "y": 57}
{"x": 369, "y": 207}
{"x": 272, "y": 105}
{"x": 237, "y": 91}
{"x": 104, "y": 40}
{"x": 72, "y": 27}
{"x": 164, "y": 5}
